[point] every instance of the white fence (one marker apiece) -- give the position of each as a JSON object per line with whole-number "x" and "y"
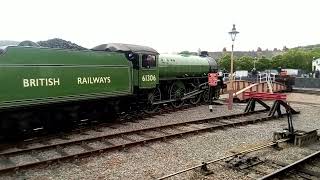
{"x": 262, "y": 77}
{"x": 266, "y": 77}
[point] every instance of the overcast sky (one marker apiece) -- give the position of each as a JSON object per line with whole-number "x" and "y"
{"x": 166, "y": 25}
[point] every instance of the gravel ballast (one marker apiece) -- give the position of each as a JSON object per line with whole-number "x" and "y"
{"x": 162, "y": 158}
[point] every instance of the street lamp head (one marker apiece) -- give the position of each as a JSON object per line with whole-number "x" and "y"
{"x": 233, "y": 33}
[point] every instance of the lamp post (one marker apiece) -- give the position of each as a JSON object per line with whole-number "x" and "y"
{"x": 314, "y": 67}
{"x": 233, "y": 33}
{"x": 254, "y": 62}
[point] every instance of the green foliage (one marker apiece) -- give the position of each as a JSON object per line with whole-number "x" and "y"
{"x": 291, "y": 59}
{"x": 276, "y": 61}
{"x": 263, "y": 64}
{"x": 309, "y": 47}
{"x": 297, "y": 59}
{"x": 225, "y": 62}
{"x": 244, "y": 63}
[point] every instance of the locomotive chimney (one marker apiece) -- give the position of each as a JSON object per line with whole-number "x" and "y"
{"x": 204, "y": 54}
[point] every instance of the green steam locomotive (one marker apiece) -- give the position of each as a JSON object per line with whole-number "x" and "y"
{"x": 46, "y": 88}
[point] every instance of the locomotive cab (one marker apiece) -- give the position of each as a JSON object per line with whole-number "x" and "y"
{"x": 144, "y": 60}
{"x": 148, "y": 74}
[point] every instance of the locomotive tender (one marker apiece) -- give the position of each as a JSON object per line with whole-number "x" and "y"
{"x": 46, "y": 88}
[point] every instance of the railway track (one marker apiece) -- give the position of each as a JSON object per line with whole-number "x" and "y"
{"x": 306, "y": 91}
{"x": 30, "y": 155}
{"x": 262, "y": 168}
{"x": 306, "y": 168}
{"x": 306, "y": 103}
{"x": 39, "y": 136}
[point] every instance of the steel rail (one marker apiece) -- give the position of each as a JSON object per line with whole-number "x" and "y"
{"x": 305, "y": 103}
{"x": 93, "y": 126}
{"x": 307, "y": 91}
{"x": 290, "y": 166}
{"x": 134, "y": 143}
{"x": 137, "y": 131}
{"x": 226, "y": 157}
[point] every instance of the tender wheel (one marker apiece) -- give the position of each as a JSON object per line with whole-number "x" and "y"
{"x": 176, "y": 92}
{"x": 153, "y": 96}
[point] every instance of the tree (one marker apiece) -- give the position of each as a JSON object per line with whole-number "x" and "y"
{"x": 276, "y": 61}
{"x": 297, "y": 59}
{"x": 186, "y": 52}
{"x": 259, "y": 49}
{"x": 245, "y": 63}
{"x": 225, "y": 62}
{"x": 292, "y": 58}
{"x": 263, "y": 63}
{"x": 224, "y": 49}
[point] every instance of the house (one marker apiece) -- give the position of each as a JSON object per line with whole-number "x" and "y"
{"x": 316, "y": 64}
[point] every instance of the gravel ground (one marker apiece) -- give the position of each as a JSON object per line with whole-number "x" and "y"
{"x": 304, "y": 98}
{"x": 162, "y": 158}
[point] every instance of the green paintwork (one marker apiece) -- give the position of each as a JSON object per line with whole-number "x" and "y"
{"x": 20, "y": 63}
{"x": 20, "y": 67}
{"x": 148, "y": 78}
{"x": 135, "y": 77}
{"x": 173, "y": 66}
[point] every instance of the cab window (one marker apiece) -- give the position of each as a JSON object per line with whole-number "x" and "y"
{"x": 134, "y": 58}
{"x": 148, "y": 61}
